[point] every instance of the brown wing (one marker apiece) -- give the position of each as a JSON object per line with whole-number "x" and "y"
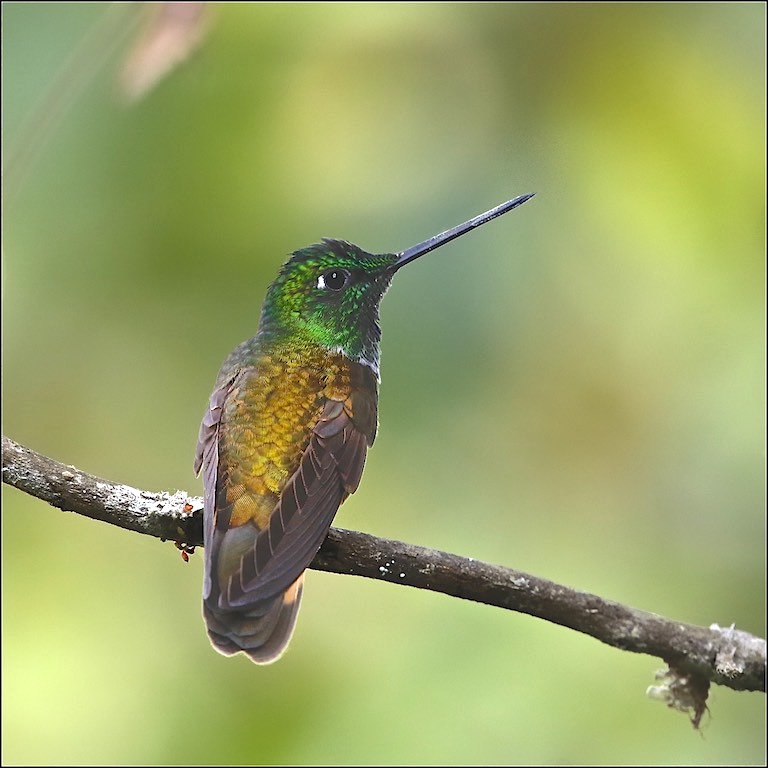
{"x": 207, "y": 459}
{"x": 329, "y": 470}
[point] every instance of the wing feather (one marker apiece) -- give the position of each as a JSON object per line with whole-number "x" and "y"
{"x": 264, "y": 571}
{"x": 207, "y": 459}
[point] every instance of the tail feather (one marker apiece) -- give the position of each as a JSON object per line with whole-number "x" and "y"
{"x": 262, "y": 633}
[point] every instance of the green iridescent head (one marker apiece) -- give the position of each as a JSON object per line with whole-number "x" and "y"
{"x": 328, "y": 294}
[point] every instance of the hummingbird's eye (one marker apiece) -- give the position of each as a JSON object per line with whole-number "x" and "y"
{"x": 333, "y": 279}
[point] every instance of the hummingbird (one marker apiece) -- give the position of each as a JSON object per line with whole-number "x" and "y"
{"x": 285, "y": 436}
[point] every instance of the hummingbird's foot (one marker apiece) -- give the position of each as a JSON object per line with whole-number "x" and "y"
{"x": 185, "y": 549}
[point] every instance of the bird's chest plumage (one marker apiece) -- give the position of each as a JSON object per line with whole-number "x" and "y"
{"x": 266, "y": 425}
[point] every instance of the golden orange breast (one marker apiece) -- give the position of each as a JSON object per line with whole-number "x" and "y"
{"x": 266, "y": 425}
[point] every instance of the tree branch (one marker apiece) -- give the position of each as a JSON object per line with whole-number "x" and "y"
{"x": 695, "y": 655}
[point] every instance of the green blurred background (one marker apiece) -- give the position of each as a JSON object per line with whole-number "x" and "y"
{"x": 576, "y": 390}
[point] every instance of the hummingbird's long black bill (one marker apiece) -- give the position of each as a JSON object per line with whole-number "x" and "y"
{"x": 408, "y": 255}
